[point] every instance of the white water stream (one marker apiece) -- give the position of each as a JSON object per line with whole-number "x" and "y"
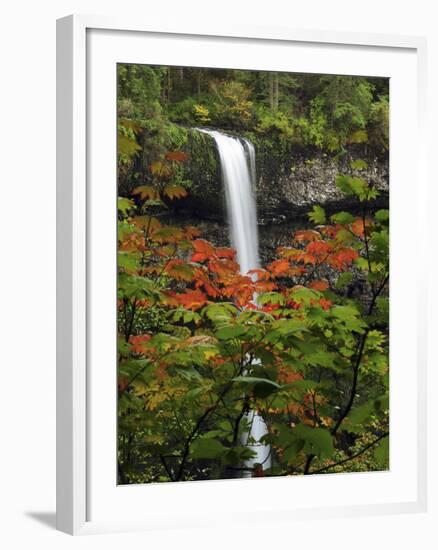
{"x": 237, "y": 158}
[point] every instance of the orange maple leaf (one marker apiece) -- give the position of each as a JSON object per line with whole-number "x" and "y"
{"x": 320, "y": 248}
{"x": 259, "y": 274}
{"x": 325, "y": 304}
{"x": 203, "y": 250}
{"x": 191, "y": 231}
{"x": 193, "y": 299}
{"x": 307, "y": 235}
{"x": 241, "y": 288}
{"x": 358, "y": 227}
{"x": 138, "y": 343}
{"x": 279, "y": 267}
{"x": 264, "y": 286}
{"x": 225, "y": 253}
{"x": 343, "y": 258}
{"x": 319, "y": 285}
{"x": 223, "y": 267}
{"x": 176, "y": 156}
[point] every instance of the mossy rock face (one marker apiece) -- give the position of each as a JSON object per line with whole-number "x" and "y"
{"x": 201, "y": 171}
{"x": 290, "y": 180}
{"x": 206, "y": 196}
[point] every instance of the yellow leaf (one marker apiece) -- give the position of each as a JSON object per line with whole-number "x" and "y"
{"x": 146, "y": 222}
{"x": 179, "y": 270}
{"x": 160, "y": 168}
{"x": 359, "y": 136}
{"x": 146, "y": 192}
{"x": 175, "y": 192}
{"x": 127, "y": 145}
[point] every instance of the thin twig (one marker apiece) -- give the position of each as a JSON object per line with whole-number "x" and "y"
{"x": 320, "y": 470}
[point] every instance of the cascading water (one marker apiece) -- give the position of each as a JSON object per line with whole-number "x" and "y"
{"x": 238, "y": 173}
{"x": 241, "y": 208}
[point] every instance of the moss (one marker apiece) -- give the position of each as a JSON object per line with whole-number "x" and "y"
{"x": 206, "y": 195}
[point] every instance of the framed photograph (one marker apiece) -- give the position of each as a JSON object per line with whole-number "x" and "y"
{"x": 239, "y": 228}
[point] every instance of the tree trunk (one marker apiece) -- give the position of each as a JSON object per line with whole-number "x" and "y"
{"x": 198, "y": 82}
{"x": 271, "y": 91}
{"x": 276, "y": 92}
{"x": 169, "y": 84}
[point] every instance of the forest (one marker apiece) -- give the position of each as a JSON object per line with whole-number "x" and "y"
{"x": 274, "y": 366}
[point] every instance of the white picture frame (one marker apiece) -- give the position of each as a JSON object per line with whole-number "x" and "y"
{"x": 78, "y": 486}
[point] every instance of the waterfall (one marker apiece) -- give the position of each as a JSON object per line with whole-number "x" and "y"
{"x": 237, "y": 159}
{"x": 252, "y": 161}
{"x": 241, "y": 207}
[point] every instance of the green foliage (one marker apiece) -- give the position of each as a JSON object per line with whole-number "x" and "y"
{"x": 139, "y": 89}
{"x": 378, "y": 125}
{"x": 317, "y": 216}
{"x": 342, "y": 218}
{"x": 381, "y": 453}
{"x": 277, "y": 125}
{"x": 321, "y": 111}
{"x": 316, "y": 441}
{"x": 205, "y": 447}
{"x": 358, "y": 164}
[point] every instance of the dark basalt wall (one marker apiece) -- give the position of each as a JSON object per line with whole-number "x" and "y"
{"x": 288, "y": 182}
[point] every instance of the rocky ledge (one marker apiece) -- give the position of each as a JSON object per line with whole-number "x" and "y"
{"x": 288, "y": 183}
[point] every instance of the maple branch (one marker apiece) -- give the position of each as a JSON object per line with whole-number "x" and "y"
{"x": 352, "y": 457}
{"x": 128, "y": 327}
{"x": 377, "y": 293}
{"x": 359, "y": 355}
{"x": 125, "y": 318}
{"x": 305, "y": 277}
{"x": 347, "y": 409}
{"x": 238, "y": 419}
{"x": 121, "y": 473}
{"x": 356, "y": 367}
{"x": 367, "y": 250}
{"x": 164, "y": 463}
{"x": 315, "y": 412}
{"x": 140, "y": 372}
{"x": 197, "y": 427}
{"x": 168, "y": 260}
{"x": 309, "y": 460}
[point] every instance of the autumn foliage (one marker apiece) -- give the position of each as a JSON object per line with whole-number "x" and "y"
{"x": 201, "y": 344}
